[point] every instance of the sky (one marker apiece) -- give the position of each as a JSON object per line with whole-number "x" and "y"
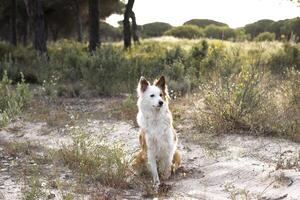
{"x": 235, "y": 13}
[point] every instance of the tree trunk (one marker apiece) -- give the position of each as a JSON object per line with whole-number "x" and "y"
{"x": 40, "y": 35}
{"x": 94, "y": 24}
{"x": 135, "y": 35}
{"x": 126, "y": 24}
{"x": 25, "y": 28}
{"x": 29, "y": 17}
{"x": 78, "y": 21}
{"x": 14, "y": 22}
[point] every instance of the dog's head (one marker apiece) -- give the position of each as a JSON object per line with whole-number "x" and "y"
{"x": 153, "y": 96}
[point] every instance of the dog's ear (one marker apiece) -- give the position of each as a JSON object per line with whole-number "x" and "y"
{"x": 161, "y": 83}
{"x": 143, "y": 84}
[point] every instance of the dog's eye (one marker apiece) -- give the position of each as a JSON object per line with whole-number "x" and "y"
{"x": 160, "y": 94}
{"x": 152, "y": 95}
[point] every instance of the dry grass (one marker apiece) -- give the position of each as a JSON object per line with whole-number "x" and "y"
{"x": 95, "y": 161}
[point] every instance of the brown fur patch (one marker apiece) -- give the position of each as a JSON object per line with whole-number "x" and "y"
{"x": 161, "y": 83}
{"x": 143, "y": 84}
{"x": 140, "y": 160}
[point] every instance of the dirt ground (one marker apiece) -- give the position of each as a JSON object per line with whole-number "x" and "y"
{"x": 214, "y": 167}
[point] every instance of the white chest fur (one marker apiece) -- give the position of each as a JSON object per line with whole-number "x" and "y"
{"x": 159, "y": 132}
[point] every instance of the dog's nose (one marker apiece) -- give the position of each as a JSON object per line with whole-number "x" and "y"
{"x": 160, "y": 103}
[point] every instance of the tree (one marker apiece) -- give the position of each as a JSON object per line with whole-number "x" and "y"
{"x": 14, "y": 22}
{"x": 78, "y": 21}
{"x": 186, "y": 31}
{"x": 94, "y": 24}
{"x": 258, "y": 27}
{"x": 135, "y": 35}
{"x": 126, "y": 24}
{"x": 155, "y": 29}
{"x": 62, "y": 18}
{"x": 40, "y": 34}
{"x": 265, "y": 36}
{"x": 202, "y": 23}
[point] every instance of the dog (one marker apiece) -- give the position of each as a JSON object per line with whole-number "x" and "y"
{"x": 158, "y": 139}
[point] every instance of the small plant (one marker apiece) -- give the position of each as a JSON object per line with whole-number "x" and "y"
{"x": 12, "y": 100}
{"x": 236, "y": 193}
{"x": 94, "y": 160}
{"x": 33, "y": 190}
{"x": 50, "y": 87}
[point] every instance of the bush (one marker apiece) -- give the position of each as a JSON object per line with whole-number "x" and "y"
{"x": 5, "y": 49}
{"x": 155, "y": 29}
{"x": 185, "y": 31}
{"x": 286, "y": 58}
{"x": 231, "y": 102}
{"x": 219, "y": 32}
{"x": 247, "y": 102}
{"x": 106, "y": 71}
{"x": 12, "y": 100}
{"x": 265, "y": 36}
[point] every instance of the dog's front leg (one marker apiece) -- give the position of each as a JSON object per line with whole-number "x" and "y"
{"x": 153, "y": 167}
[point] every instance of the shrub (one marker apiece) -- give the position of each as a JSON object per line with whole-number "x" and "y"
{"x": 105, "y": 71}
{"x": 288, "y": 57}
{"x": 5, "y": 49}
{"x": 288, "y": 100}
{"x": 12, "y": 100}
{"x": 185, "y": 31}
{"x": 265, "y": 36}
{"x": 246, "y": 101}
{"x": 219, "y": 32}
{"x": 231, "y": 101}
{"x": 155, "y": 29}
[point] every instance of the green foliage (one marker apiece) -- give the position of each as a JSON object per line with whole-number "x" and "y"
{"x": 185, "y": 31}
{"x": 265, "y": 36}
{"x": 103, "y": 68}
{"x": 258, "y": 27}
{"x": 12, "y": 100}
{"x": 283, "y": 29}
{"x": 5, "y": 49}
{"x": 286, "y": 58}
{"x": 60, "y": 17}
{"x": 240, "y": 35}
{"x": 155, "y": 29}
{"x": 110, "y": 33}
{"x": 219, "y": 32}
{"x": 202, "y": 23}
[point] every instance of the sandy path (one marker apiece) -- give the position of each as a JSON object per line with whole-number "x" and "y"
{"x": 243, "y": 167}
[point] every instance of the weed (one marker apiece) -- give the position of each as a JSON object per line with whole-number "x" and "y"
{"x": 94, "y": 160}
{"x": 12, "y": 100}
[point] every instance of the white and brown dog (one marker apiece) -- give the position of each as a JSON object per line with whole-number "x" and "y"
{"x": 157, "y": 138}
